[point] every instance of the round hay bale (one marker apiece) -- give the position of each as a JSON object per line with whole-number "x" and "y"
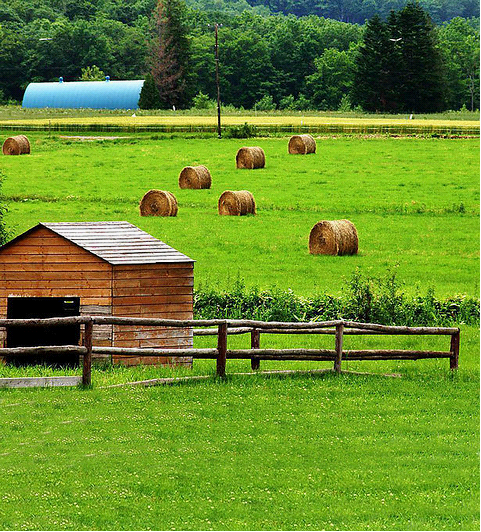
{"x": 302, "y": 144}
{"x": 158, "y": 203}
{"x": 336, "y": 237}
{"x": 250, "y": 158}
{"x": 195, "y": 177}
{"x": 237, "y": 203}
{"x": 16, "y": 145}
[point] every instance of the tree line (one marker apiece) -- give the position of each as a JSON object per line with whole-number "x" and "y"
{"x": 395, "y": 63}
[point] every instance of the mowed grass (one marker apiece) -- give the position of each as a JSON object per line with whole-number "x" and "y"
{"x": 250, "y": 453}
{"x": 349, "y": 452}
{"x": 415, "y": 202}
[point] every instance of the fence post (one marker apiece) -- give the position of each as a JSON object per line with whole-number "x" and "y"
{"x": 453, "y": 361}
{"x": 221, "y": 349}
{"x": 339, "y": 337}
{"x": 87, "y": 366}
{"x": 255, "y": 343}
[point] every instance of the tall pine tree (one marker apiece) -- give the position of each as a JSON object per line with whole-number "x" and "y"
{"x": 169, "y": 52}
{"x": 372, "y": 78}
{"x": 399, "y": 67}
{"x": 420, "y": 69}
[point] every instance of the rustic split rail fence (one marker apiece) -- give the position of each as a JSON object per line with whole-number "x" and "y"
{"x": 223, "y": 328}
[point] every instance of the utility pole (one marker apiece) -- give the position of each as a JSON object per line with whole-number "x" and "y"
{"x": 219, "y": 134}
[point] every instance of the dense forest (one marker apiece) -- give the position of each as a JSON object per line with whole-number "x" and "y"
{"x": 286, "y": 54}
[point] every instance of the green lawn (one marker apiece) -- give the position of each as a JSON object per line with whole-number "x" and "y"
{"x": 250, "y": 453}
{"x": 347, "y": 452}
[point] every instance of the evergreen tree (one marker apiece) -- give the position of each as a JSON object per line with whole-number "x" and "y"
{"x": 149, "y": 95}
{"x": 169, "y": 52}
{"x": 372, "y": 79}
{"x": 419, "y": 64}
{"x": 399, "y": 67}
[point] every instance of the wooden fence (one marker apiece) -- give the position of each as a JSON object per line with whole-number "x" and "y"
{"x": 223, "y": 328}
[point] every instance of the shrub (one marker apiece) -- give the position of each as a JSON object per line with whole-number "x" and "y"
{"x": 364, "y": 299}
{"x": 149, "y": 95}
{"x": 266, "y": 103}
{"x": 244, "y": 131}
{"x": 202, "y": 101}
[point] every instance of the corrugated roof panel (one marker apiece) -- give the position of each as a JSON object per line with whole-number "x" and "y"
{"x": 84, "y": 94}
{"x": 118, "y": 242}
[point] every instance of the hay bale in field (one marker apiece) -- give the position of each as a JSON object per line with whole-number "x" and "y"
{"x": 302, "y": 144}
{"x": 158, "y": 203}
{"x": 195, "y": 177}
{"x": 336, "y": 237}
{"x": 237, "y": 203}
{"x": 250, "y": 158}
{"x": 16, "y": 145}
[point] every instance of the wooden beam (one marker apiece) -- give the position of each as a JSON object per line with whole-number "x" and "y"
{"x": 338, "y": 349}
{"x": 31, "y": 382}
{"x": 87, "y": 361}
{"x": 255, "y": 344}
{"x": 221, "y": 349}
{"x": 454, "y": 359}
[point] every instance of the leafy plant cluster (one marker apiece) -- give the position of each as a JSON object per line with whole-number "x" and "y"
{"x": 365, "y": 299}
{"x": 244, "y": 131}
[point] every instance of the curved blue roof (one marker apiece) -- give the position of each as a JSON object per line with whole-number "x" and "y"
{"x": 84, "y": 94}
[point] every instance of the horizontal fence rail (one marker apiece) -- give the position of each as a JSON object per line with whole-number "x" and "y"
{"x": 223, "y": 328}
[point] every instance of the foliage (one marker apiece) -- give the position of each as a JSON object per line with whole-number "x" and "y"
{"x": 308, "y": 58}
{"x": 333, "y": 78}
{"x": 149, "y": 95}
{"x": 169, "y": 52}
{"x": 366, "y": 299}
{"x": 202, "y": 101}
{"x": 245, "y": 131}
{"x": 460, "y": 46}
{"x": 399, "y": 66}
{"x": 266, "y": 103}
{"x": 357, "y": 11}
{"x": 92, "y": 73}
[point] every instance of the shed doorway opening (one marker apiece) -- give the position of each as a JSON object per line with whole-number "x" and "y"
{"x": 43, "y": 307}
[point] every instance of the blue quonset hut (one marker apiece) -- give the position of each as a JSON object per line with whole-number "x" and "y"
{"x": 84, "y": 94}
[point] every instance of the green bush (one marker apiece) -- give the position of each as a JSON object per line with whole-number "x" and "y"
{"x": 365, "y": 299}
{"x": 244, "y": 131}
{"x": 266, "y": 103}
{"x": 202, "y": 101}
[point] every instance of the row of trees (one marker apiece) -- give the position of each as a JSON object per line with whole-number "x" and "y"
{"x": 265, "y": 61}
{"x": 405, "y": 64}
{"x": 358, "y": 11}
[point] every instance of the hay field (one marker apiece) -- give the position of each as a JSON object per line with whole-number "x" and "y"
{"x": 349, "y": 452}
{"x": 415, "y": 202}
{"x": 138, "y": 121}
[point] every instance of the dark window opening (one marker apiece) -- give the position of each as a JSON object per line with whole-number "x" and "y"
{"x": 43, "y": 307}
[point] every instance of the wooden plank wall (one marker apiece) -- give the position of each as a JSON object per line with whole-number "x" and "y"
{"x": 44, "y": 264}
{"x": 154, "y": 291}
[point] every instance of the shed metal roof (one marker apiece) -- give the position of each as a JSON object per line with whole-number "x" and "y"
{"x": 122, "y": 94}
{"x": 115, "y": 242}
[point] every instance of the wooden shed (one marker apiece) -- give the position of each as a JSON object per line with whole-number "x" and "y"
{"x": 96, "y": 268}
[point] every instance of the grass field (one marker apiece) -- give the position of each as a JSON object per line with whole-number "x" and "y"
{"x": 251, "y": 452}
{"x": 415, "y": 202}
